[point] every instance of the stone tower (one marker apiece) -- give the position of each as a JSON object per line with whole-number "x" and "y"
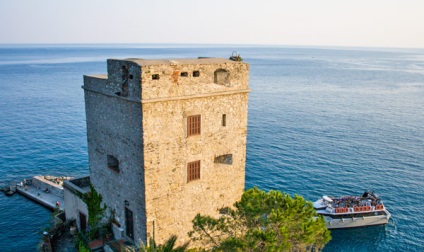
{"x": 167, "y": 140}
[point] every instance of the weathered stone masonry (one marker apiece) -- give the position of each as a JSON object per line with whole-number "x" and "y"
{"x": 139, "y": 148}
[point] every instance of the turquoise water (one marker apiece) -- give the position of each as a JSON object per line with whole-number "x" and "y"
{"x": 321, "y": 121}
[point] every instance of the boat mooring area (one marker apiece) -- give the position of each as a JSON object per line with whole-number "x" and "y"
{"x": 44, "y": 190}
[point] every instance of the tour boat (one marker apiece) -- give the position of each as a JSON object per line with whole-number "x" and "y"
{"x": 352, "y": 211}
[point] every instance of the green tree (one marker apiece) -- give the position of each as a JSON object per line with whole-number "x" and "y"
{"x": 168, "y": 246}
{"x": 262, "y": 221}
{"x": 96, "y": 211}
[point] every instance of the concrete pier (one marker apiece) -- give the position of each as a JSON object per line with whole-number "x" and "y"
{"x": 37, "y": 192}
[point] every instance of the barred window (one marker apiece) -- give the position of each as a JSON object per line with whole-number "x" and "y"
{"x": 193, "y": 171}
{"x": 193, "y": 125}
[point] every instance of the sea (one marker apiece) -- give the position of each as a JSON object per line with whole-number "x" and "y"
{"x": 321, "y": 121}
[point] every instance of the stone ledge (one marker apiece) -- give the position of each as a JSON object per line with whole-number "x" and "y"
{"x": 176, "y": 98}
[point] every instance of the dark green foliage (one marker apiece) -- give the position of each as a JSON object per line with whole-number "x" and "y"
{"x": 93, "y": 200}
{"x": 168, "y": 246}
{"x": 262, "y": 221}
{"x": 82, "y": 247}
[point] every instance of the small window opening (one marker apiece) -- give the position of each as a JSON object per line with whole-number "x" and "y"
{"x": 184, "y": 74}
{"x": 124, "y": 89}
{"x": 193, "y": 125}
{"x": 155, "y": 76}
{"x": 224, "y": 120}
{"x": 131, "y": 76}
{"x": 222, "y": 77}
{"x": 113, "y": 163}
{"x": 124, "y": 84}
{"x": 196, "y": 73}
{"x": 193, "y": 171}
{"x": 223, "y": 210}
{"x": 224, "y": 159}
{"x": 129, "y": 223}
{"x": 124, "y": 73}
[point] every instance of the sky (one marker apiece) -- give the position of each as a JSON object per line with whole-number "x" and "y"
{"x": 363, "y": 23}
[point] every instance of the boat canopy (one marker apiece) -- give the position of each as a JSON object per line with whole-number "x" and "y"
{"x": 327, "y": 198}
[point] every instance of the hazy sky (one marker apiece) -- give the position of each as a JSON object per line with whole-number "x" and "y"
{"x": 376, "y": 23}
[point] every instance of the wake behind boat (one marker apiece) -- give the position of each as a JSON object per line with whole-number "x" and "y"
{"x": 352, "y": 211}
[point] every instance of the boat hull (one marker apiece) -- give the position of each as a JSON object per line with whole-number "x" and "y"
{"x": 354, "y": 222}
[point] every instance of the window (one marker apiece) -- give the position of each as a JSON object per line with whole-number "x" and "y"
{"x": 129, "y": 223}
{"x": 83, "y": 221}
{"x": 124, "y": 84}
{"x": 113, "y": 163}
{"x": 184, "y": 74}
{"x": 124, "y": 89}
{"x": 155, "y": 76}
{"x": 221, "y": 77}
{"x": 193, "y": 125}
{"x": 124, "y": 73}
{"x": 196, "y": 73}
{"x": 223, "y": 210}
{"x": 193, "y": 171}
{"x": 224, "y": 159}
{"x": 224, "y": 120}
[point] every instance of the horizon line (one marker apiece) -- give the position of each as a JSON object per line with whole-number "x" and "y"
{"x": 211, "y": 45}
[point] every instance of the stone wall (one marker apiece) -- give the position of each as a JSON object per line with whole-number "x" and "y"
{"x": 172, "y": 85}
{"x": 171, "y": 202}
{"x": 114, "y": 129}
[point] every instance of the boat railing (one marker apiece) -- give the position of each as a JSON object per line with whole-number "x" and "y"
{"x": 355, "y": 209}
{"x": 379, "y": 207}
{"x": 341, "y": 210}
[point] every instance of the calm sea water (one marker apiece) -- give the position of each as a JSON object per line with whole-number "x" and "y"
{"x": 321, "y": 121}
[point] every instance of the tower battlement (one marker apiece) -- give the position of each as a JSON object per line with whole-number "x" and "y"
{"x": 149, "y": 80}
